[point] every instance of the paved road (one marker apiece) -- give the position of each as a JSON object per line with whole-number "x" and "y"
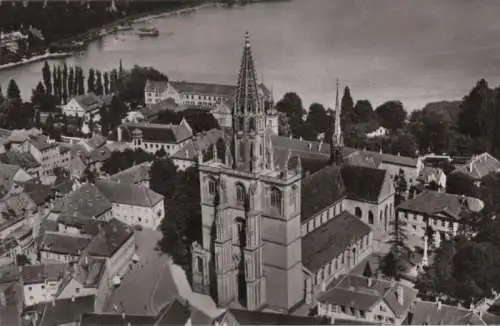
{"x": 136, "y": 294}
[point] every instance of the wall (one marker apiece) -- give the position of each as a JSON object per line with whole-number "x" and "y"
{"x": 149, "y": 217}
{"x": 40, "y": 292}
{"x": 118, "y": 264}
{"x": 381, "y": 220}
{"x": 47, "y": 257}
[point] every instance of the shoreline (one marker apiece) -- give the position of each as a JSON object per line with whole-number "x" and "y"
{"x": 108, "y": 29}
{"x": 36, "y": 58}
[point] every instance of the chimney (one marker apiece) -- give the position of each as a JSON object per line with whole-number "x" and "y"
{"x": 300, "y": 138}
{"x": 53, "y": 302}
{"x": 399, "y": 294}
{"x": 370, "y": 282}
{"x": 123, "y": 315}
{"x": 320, "y": 145}
{"x": 119, "y": 134}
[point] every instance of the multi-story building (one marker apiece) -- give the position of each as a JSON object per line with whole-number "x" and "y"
{"x": 85, "y": 202}
{"x": 41, "y": 282}
{"x": 133, "y": 204}
{"x": 478, "y": 167}
{"x": 363, "y": 299}
{"x": 138, "y": 175}
{"x": 152, "y": 137}
{"x": 438, "y": 211}
{"x": 84, "y": 106}
{"x": 57, "y": 247}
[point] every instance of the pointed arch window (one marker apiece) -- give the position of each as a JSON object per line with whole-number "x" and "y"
{"x": 212, "y": 187}
{"x": 370, "y": 218}
{"x": 240, "y": 194}
{"x": 276, "y": 199}
{"x": 251, "y": 124}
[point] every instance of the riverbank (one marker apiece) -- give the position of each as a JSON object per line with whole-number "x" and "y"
{"x": 36, "y": 58}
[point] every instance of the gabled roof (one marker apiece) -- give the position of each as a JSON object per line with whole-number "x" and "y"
{"x": 88, "y": 226}
{"x": 64, "y": 244}
{"x": 128, "y": 194}
{"x": 38, "y": 192}
{"x": 364, "y": 293}
{"x": 24, "y": 159}
{"x": 432, "y": 203}
{"x": 41, "y": 143}
{"x": 479, "y": 166}
{"x": 34, "y": 274}
{"x": 87, "y": 201}
{"x": 320, "y": 190}
{"x": 325, "y": 243}
{"x": 156, "y": 86}
{"x": 203, "y": 88}
{"x": 201, "y": 141}
{"x": 7, "y": 174}
{"x": 110, "y": 238}
{"x": 363, "y": 183}
{"x": 247, "y": 317}
{"x": 64, "y": 311}
{"x": 153, "y": 132}
{"x": 89, "y": 102}
{"x": 133, "y": 175}
{"x": 429, "y": 173}
{"x": 433, "y": 313}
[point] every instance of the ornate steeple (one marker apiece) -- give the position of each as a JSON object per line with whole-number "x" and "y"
{"x": 337, "y": 142}
{"x": 249, "y": 145}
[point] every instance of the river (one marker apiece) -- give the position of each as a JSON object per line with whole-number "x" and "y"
{"x": 413, "y": 51}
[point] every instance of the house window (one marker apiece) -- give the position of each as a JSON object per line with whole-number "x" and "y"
{"x": 240, "y": 194}
{"x": 343, "y": 309}
{"x": 370, "y": 218}
{"x": 276, "y": 199}
{"x": 77, "y": 290}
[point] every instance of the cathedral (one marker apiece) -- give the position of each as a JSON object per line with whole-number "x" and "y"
{"x": 274, "y": 236}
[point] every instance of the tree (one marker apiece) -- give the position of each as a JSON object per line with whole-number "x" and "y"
{"x": 117, "y": 111}
{"x": 120, "y": 69}
{"x": 461, "y": 184}
{"x": 106, "y": 82}
{"x": 291, "y": 105}
{"x": 163, "y": 177}
{"x": 65, "y": 83}
{"x": 403, "y": 143}
{"x": 99, "y": 89}
{"x": 470, "y": 117}
{"x": 363, "y": 111}
{"x": 71, "y": 82}
{"x": 432, "y": 132}
{"x": 91, "y": 81}
{"x": 13, "y": 91}
{"x": 54, "y": 81}
{"x": 46, "y": 77}
{"x": 60, "y": 85}
{"x": 347, "y": 106}
{"x": 400, "y": 187}
{"x": 119, "y": 161}
{"x": 283, "y": 125}
{"x": 89, "y": 175}
{"x": 80, "y": 82}
{"x": 317, "y": 119}
{"x": 22, "y": 260}
{"x": 113, "y": 79}
{"x": 392, "y": 115}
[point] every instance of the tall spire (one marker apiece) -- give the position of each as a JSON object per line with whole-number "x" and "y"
{"x": 249, "y": 145}
{"x": 337, "y": 142}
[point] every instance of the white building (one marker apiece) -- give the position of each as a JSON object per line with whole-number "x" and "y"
{"x": 41, "y": 282}
{"x": 152, "y": 137}
{"x": 84, "y": 106}
{"x": 62, "y": 248}
{"x": 133, "y": 204}
{"x": 379, "y": 132}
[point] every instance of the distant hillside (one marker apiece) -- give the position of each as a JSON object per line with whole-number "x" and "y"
{"x": 448, "y": 109}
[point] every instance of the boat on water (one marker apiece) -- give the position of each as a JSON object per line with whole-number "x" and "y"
{"x": 148, "y": 31}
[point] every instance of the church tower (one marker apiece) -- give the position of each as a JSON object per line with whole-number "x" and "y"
{"x": 248, "y": 204}
{"x": 337, "y": 142}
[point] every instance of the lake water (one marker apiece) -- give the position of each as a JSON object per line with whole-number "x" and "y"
{"x": 414, "y": 51}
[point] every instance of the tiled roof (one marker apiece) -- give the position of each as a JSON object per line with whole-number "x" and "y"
{"x": 34, "y": 274}
{"x": 432, "y": 314}
{"x": 432, "y": 202}
{"x": 156, "y": 86}
{"x": 63, "y": 185}
{"x": 490, "y": 318}
{"x": 65, "y": 311}
{"x": 7, "y": 174}
{"x": 153, "y": 110}
{"x": 399, "y": 160}
{"x": 111, "y": 237}
{"x": 356, "y": 291}
{"x": 9, "y": 273}
{"x": 99, "y": 154}
{"x": 38, "y": 192}
{"x": 89, "y": 102}
{"x": 365, "y": 159}
{"x": 320, "y": 190}
{"x": 153, "y": 132}
{"x": 41, "y": 143}
{"x": 247, "y": 317}
{"x": 363, "y": 183}
{"x": 24, "y": 160}
{"x": 128, "y": 194}
{"x": 203, "y": 88}
{"x": 201, "y": 141}
{"x": 479, "y": 166}
{"x": 330, "y": 239}
{"x": 133, "y": 175}
{"x": 87, "y": 201}
{"x": 5, "y": 132}
{"x": 96, "y": 141}
{"x": 18, "y": 204}
{"x": 89, "y": 271}
{"x": 64, "y": 244}
{"x": 87, "y": 226}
